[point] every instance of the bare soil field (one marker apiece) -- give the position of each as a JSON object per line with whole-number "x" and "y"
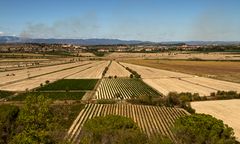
{"x": 226, "y": 110}
{"x": 167, "y": 81}
{"x": 95, "y": 72}
{"x": 228, "y": 71}
{"x": 175, "y": 85}
{"x": 116, "y": 69}
{"x": 12, "y": 76}
{"x": 30, "y": 83}
{"x": 178, "y": 55}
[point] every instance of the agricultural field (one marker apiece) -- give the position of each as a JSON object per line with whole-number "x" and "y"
{"x": 166, "y": 85}
{"x": 222, "y": 70}
{"x": 151, "y": 119}
{"x": 70, "y": 84}
{"x": 34, "y": 82}
{"x": 166, "y": 81}
{"x": 123, "y": 88}
{"x": 116, "y": 69}
{"x": 177, "y": 55}
{"x": 13, "y": 76}
{"x": 95, "y": 72}
{"x": 226, "y": 110}
{"x": 52, "y": 95}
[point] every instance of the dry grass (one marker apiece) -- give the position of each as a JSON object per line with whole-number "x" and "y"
{"x": 228, "y": 71}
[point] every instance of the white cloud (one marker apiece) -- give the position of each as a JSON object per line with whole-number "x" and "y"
{"x": 1, "y": 33}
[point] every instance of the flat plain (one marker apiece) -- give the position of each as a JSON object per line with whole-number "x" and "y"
{"x": 222, "y": 70}
{"x": 166, "y": 81}
{"x": 116, "y": 69}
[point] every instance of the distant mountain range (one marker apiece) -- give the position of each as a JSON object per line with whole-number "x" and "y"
{"x": 15, "y": 39}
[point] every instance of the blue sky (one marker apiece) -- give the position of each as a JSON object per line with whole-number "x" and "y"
{"x": 152, "y": 20}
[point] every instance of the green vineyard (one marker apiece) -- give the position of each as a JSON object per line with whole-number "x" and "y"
{"x": 123, "y": 88}
{"x": 151, "y": 119}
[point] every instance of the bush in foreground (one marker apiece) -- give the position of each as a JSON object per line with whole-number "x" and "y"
{"x": 202, "y": 129}
{"x": 111, "y": 129}
{"x": 8, "y": 116}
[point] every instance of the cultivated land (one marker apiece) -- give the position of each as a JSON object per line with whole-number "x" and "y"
{"x": 123, "y": 88}
{"x": 21, "y": 82}
{"x": 151, "y": 119}
{"x": 178, "y": 55}
{"x": 226, "y": 110}
{"x": 52, "y": 95}
{"x": 222, "y": 70}
{"x": 91, "y": 73}
{"x": 116, "y": 69}
{"x": 70, "y": 84}
{"x": 166, "y": 81}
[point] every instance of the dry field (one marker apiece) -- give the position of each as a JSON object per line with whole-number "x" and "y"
{"x": 166, "y": 81}
{"x": 229, "y": 71}
{"x": 33, "y": 72}
{"x": 78, "y": 70}
{"x": 116, "y": 69}
{"x": 178, "y": 55}
{"x": 95, "y": 72}
{"x": 226, "y": 110}
{"x": 151, "y": 119}
{"x": 167, "y": 85}
{"x": 35, "y": 82}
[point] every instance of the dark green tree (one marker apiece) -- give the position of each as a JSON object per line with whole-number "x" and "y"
{"x": 35, "y": 120}
{"x": 111, "y": 130}
{"x": 8, "y": 116}
{"x": 202, "y": 129}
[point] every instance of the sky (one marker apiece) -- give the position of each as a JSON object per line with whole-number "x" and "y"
{"x": 147, "y": 20}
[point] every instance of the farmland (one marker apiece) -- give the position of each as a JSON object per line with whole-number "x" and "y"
{"x": 52, "y": 95}
{"x": 65, "y": 89}
{"x": 222, "y": 70}
{"x": 123, "y": 88}
{"x": 226, "y": 110}
{"x": 21, "y": 82}
{"x": 70, "y": 84}
{"x": 117, "y": 70}
{"x": 178, "y": 55}
{"x": 166, "y": 81}
{"x": 152, "y": 120}
{"x": 84, "y": 82}
{"x": 94, "y": 72}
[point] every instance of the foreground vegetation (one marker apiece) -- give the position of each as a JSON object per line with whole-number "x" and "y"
{"x": 4, "y": 94}
{"x": 203, "y": 129}
{"x": 37, "y": 121}
{"x": 114, "y": 129}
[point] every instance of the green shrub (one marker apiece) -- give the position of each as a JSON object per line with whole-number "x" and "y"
{"x": 112, "y": 129}
{"x": 8, "y": 116}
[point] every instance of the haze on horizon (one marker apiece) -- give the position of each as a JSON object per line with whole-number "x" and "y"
{"x": 151, "y": 20}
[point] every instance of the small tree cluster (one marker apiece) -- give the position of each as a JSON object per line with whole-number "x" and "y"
{"x": 134, "y": 73}
{"x": 202, "y": 129}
